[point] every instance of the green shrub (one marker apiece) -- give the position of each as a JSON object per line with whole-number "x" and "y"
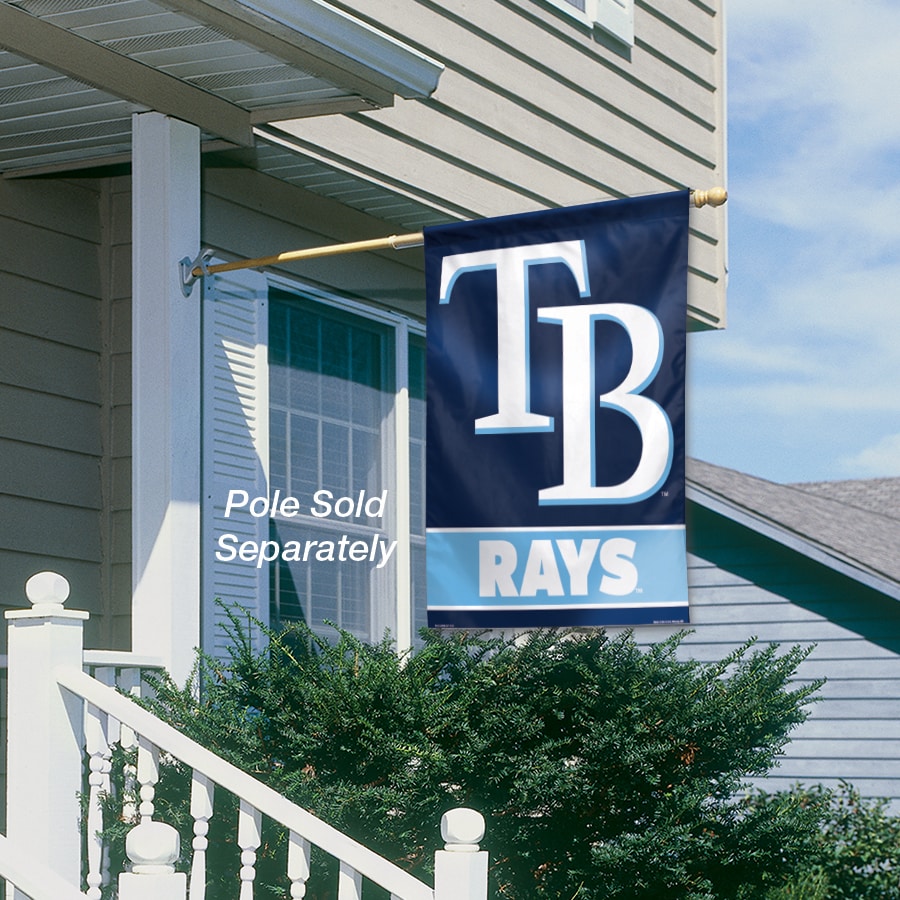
{"x": 602, "y": 770}
{"x": 856, "y": 852}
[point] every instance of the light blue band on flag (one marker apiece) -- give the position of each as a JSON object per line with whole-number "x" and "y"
{"x": 554, "y": 569}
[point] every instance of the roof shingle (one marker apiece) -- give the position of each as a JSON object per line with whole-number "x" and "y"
{"x": 856, "y": 522}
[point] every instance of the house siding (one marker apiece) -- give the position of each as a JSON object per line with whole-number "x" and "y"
{"x": 116, "y": 566}
{"x": 246, "y": 214}
{"x": 536, "y": 110}
{"x": 746, "y": 586}
{"x": 65, "y": 339}
{"x": 51, "y": 346}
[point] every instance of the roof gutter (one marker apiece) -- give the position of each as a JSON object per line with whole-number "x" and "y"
{"x": 327, "y": 41}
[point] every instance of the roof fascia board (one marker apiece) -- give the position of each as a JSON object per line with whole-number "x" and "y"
{"x": 291, "y": 111}
{"x": 793, "y": 541}
{"x": 96, "y": 162}
{"x": 327, "y": 42}
{"x": 89, "y": 62}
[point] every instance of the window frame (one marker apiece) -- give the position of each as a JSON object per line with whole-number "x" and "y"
{"x": 396, "y": 444}
{"x": 614, "y": 17}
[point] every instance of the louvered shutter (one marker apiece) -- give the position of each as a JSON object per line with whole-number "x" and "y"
{"x": 235, "y": 453}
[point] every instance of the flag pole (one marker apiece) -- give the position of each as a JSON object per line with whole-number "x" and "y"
{"x": 191, "y": 270}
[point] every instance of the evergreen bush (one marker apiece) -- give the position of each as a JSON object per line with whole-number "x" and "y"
{"x": 603, "y": 770}
{"x": 856, "y": 851}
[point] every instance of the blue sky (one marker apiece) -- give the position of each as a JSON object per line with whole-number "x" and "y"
{"x": 804, "y": 384}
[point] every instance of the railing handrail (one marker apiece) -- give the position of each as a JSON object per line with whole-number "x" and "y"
{"x": 38, "y": 882}
{"x": 122, "y": 659}
{"x": 262, "y": 797}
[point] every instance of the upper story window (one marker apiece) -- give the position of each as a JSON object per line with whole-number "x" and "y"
{"x": 615, "y": 17}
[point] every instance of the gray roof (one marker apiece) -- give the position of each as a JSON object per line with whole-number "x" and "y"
{"x": 877, "y": 495}
{"x": 850, "y": 526}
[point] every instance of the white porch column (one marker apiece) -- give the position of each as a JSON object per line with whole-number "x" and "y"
{"x": 165, "y": 393}
{"x": 45, "y": 731}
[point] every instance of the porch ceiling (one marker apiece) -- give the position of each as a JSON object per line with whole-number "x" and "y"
{"x": 74, "y": 71}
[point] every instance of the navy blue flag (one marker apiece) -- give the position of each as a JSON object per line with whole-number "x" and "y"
{"x": 555, "y": 410}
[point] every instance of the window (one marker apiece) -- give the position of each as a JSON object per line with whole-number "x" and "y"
{"x": 416, "y": 370}
{"x": 347, "y": 416}
{"x": 615, "y": 17}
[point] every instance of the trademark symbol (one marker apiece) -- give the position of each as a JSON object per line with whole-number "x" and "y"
{"x": 664, "y": 493}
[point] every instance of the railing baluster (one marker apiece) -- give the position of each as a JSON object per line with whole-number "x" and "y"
{"x": 107, "y": 675}
{"x": 249, "y": 821}
{"x": 202, "y": 790}
{"x": 147, "y": 776}
{"x": 349, "y": 883}
{"x": 130, "y": 681}
{"x": 97, "y": 745}
{"x": 298, "y": 865}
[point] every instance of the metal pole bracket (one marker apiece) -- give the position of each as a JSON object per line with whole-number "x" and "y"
{"x": 187, "y": 267}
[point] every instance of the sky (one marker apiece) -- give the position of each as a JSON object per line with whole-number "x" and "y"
{"x": 804, "y": 384}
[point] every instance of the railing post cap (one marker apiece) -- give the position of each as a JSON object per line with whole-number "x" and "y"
{"x": 152, "y": 848}
{"x": 47, "y": 589}
{"x": 462, "y": 829}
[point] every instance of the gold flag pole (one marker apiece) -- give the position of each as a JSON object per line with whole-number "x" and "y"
{"x": 191, "y": 270}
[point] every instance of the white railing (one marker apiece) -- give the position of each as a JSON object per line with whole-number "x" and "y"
{"x": 20, "y": 870}
{"x": 57, "y": 712}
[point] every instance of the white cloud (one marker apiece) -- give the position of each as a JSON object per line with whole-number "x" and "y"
{"x": 739, "y": 356}
{"x": 806, "y": 372}
{"x": 814, "y": 55}
{"x": 817, "y": 80}
{"x": 882, "y": 459}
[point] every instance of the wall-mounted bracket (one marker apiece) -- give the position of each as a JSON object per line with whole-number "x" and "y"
{"x": 192, "y": 269}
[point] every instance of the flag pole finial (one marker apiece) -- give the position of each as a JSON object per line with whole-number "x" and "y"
{"x": 715, "y": 196}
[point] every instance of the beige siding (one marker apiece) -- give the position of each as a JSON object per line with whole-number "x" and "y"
{"x": 116, "y": 571}
{"x": 51, "y": 447}
{"x": 246, "y": 214}
{"x": 56, "y": 443}
{"x": 535, "y": 110}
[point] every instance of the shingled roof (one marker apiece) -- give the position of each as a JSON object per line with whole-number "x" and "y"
{"x": 850, "y": 526}
{"x": 877, "y": 495}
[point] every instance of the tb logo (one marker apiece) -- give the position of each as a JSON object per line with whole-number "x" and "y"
{"x": 514, "y": 413}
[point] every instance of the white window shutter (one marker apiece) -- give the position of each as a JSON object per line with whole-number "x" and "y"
{"x": 235, "y": 453}
{"x": 616, "y": 17}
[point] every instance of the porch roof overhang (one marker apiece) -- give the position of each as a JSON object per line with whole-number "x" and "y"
{"x": 73, "y": 72}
